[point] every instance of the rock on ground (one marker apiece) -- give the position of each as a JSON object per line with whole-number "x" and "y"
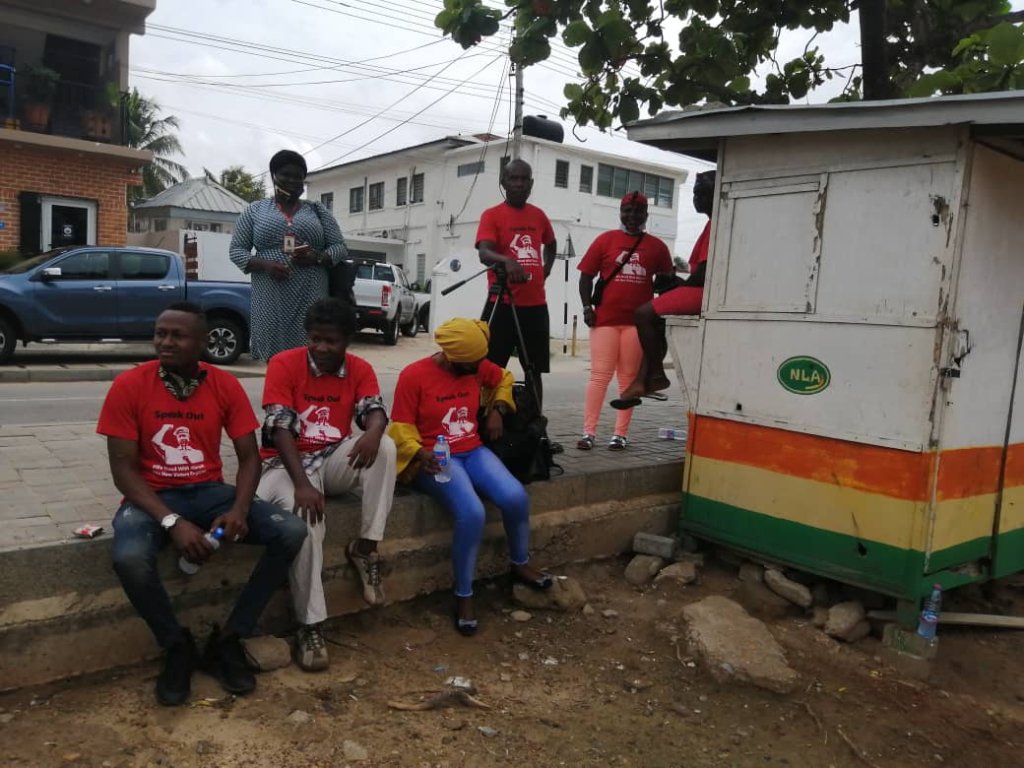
{"x": 762, "y": 602}
{"x": 752, "y": 572}
{"x": 642, "y": 569}
{"x": 268, "y": 653}
{"x": 681, "y": 573}
{"x": 299, "y": 717}
{"x": 520, "y": 616}
{"x": 354, "y": 751}
{"x": 564, "y": 595}
{"x": 735, "y": 645}
{"x": 797, "y": 594}
{"x": 843, "y": 619}
{"x": 820, "y": 616}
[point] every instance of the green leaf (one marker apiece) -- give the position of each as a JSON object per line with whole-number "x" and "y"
{"x": 740, "y": 84}
{"x": 927, "y": 85}
{"x": 1005, "y": 45}
{"x": 576, "y": 33}
{"x": 573, "y": 91}
{"x": 593, "y": 56}
{"x": 629, "y": 110}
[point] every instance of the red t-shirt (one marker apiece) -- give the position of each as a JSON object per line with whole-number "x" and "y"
{"x": 699, "y": 254}
{"x": 325, "y": 403}
{"x": 520, "y": 233}
{"x": 179, "y": 441}
{"x": 441, "y": 403}
{"x": 634, "y": 283}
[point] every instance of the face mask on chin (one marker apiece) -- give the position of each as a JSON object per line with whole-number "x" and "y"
{"x": 292, "y": 195}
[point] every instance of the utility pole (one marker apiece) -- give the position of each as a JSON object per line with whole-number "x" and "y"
{"x": 517, "y": 131}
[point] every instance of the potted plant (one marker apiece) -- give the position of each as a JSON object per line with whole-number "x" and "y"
{"x": 37, "y": 85}
{"x": 97, "y": 121}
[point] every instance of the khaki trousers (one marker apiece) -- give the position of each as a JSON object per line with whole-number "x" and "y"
{"x": 333, "y": 477}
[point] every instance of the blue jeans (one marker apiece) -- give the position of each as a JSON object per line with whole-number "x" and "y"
{"x": 138, "y": 539}
{"x": 474, "y": 474}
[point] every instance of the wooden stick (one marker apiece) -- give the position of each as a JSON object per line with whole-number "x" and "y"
{"x": 964, "y": 619}
{"x": 440, "y": 701}
{"x": 854, "y": 748}
{"x": 816, "y": 720}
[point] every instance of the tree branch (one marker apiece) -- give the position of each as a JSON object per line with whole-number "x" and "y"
{"x": 979, "y": 24}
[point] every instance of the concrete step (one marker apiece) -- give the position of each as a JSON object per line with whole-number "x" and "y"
{"x": 62, "y": 611}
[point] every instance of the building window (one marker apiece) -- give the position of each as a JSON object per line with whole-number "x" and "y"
{"x": 562, "y": 174}
{"x": 355, "y": 200}
{"x": 421, "y": 269}
{"x": 417, "y": 188}
{"x": 401, "y": 191}
{"x": 471, "y": 169}
{"x": 377, "y": 196}
{"x": 613, "y": 181}
{"x": 327, "y": 201}
{"x": 587, "y": 178}
{"x": 159, "y": 225}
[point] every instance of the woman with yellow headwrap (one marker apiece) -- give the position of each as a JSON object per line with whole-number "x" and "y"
{"x": 440, "y": 395}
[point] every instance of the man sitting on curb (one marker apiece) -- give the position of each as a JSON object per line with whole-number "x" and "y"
{"x": 311, "y": 395}
{"x": 174, "y": 490}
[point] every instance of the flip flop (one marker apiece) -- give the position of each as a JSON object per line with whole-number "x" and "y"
{"x": 624, "y": 404}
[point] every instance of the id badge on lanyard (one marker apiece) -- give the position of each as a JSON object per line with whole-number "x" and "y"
{"x": 288, "y": 245}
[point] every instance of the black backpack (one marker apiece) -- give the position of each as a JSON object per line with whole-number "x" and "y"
{"x": 524, "y": 447}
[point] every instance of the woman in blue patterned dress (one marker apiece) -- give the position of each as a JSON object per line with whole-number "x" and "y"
{"x": 295, "y": 242}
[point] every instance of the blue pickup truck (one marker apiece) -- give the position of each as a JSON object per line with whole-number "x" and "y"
{"x": 106, "y": 294}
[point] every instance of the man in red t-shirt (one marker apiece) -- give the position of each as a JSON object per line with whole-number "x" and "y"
{"x": 627, "y": 260}
{"x": 311, "y": 396}
{"x": 684, "y": 297}
{"x": 163, "y": 422}
{"x": 517, "y": 239}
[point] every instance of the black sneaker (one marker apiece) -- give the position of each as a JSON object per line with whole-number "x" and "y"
{"x": 174, "y": 683}
{"x": 224, "y": 659}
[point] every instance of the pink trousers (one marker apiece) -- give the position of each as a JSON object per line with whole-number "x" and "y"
{"x": 613, "y": 349}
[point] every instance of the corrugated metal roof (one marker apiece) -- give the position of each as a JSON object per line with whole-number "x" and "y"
{"x": 701, "y": 126}
{"x": 200, "y": 194}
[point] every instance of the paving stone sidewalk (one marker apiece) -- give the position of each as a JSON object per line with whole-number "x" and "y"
{"x": 55, "y": 478}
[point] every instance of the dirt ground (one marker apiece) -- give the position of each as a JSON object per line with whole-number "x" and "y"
{"x": 562, "y": 690}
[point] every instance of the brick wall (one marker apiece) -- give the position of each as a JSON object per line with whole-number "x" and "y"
{"x": 65, "y": 174}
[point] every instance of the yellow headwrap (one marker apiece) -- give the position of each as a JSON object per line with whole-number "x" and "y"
{"x": 462, "y": 340}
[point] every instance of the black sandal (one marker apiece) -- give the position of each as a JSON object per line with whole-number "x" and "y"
{"x": 542, "y": 584}
{"x": 465, "y": 627}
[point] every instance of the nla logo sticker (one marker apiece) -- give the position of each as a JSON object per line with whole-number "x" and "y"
{"x": 804, "y": 375}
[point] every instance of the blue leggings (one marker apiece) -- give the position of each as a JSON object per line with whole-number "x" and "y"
{"x": 474, "y": 474}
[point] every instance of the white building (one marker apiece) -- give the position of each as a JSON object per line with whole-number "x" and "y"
{"x": 420, "y": 207}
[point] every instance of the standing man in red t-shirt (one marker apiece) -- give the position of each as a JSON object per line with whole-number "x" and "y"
{"x": 627, "y": 260}
{"x": 311, "y": 396}
{"x": 163, "y": 422}
{"x": 517, "y": 238}
{"x": 683, "y": 299}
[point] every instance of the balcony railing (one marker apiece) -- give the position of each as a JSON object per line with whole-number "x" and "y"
{"x": 76, "y": 110}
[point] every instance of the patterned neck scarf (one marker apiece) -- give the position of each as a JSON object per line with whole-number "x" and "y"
{"x": 181, "y": 387}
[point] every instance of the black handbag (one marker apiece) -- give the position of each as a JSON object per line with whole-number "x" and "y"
{"x": 524, "y": 447}
{"x": 341, "y": 277}
{"x": 598, "y": 294}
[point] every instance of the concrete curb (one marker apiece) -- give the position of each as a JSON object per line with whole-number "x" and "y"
{"x": 58, "y": 596}
{"x": 60, "y": 373}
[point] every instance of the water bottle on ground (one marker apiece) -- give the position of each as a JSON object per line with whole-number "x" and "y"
{"x": 187, "y": 566}
{"x": 929, "y": 620}
{"x": 667, "y": 433}
{"x": 443, "y": 454}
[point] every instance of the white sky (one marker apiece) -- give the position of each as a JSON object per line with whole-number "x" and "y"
{"x": 235, "y": 106}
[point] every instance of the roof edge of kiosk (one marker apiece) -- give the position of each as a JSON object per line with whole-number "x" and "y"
{"x": 697, "y": 130}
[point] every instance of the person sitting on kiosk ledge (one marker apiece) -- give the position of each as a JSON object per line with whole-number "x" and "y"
{"x": 163, "y": 422}
{"x": 311, "y": 396}
{"x": 684, "y": 297}
{"x": 439, "y": 396}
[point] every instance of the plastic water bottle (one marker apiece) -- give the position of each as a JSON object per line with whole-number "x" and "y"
{"x": 929, "y": 620}
{"x": 443, "y": 454}
{"x": 666, "y": 433}
{"x": 187, "y": 566}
